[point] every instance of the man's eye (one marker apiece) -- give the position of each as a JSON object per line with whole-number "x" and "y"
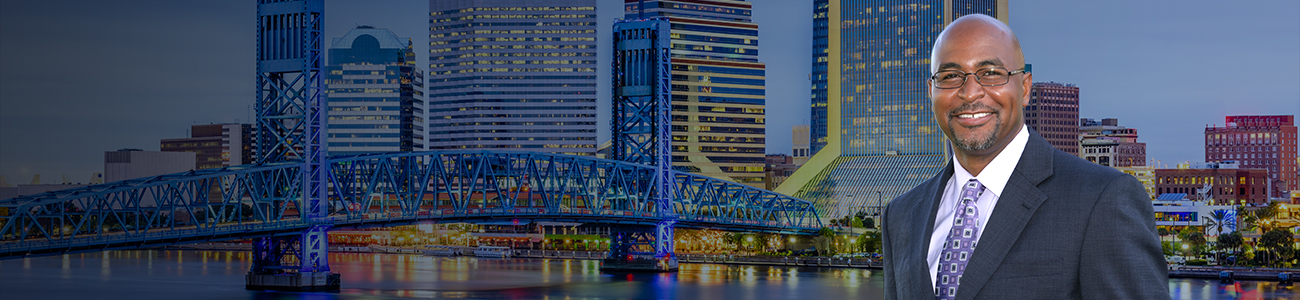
{"x": 948, "y": 76}
{"x": 992, "y": 73}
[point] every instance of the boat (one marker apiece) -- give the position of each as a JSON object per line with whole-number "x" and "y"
{"x": 492, "y": 251}
{"x": 440, "y": 251}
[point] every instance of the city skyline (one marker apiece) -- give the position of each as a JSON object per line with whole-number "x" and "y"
{"x": 79, "y": 78}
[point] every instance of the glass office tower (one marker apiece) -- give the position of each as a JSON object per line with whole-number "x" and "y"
{"x": 873, "y": 134}
{"x": 717, "y": 87}
{"x": 375, "y": 92}
{"x": 513, "y": 75}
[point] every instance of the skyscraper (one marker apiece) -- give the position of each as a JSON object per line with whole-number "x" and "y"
{"x": 1053, "y": 111}
{"x": 873, "y": 134}
{"x": 375, "y": 92}
{"x": 1257, "y": 142}
{"x": 717, "y": 87}
{"x": 513, "y": 75}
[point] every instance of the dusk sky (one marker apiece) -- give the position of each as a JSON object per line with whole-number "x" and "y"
{"x": 78, "y": 78}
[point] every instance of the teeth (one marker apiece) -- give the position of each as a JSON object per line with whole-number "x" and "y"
{"x": 972, "y": 116}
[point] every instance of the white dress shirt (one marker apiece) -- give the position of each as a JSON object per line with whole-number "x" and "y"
{"x": 994, "y": 177}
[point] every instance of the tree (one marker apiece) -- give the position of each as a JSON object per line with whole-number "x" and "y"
{"x": 869, "y": 242}
{"x": 857, "y": 222}
{"x": 1232, "y": 243}
{"x": 1276, "y": 240}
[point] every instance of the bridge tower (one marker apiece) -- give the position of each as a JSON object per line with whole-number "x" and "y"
{"x": 642, "y": 134}
{"x": 290, "y": 127}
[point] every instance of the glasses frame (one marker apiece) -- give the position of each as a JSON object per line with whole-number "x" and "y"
{"x": 964, "y": 75}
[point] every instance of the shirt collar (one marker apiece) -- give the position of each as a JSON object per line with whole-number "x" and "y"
{"x": 994, "y": 177}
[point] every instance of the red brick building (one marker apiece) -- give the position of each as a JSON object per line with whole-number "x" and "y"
{"x": 1053, "y": 111}
{"x": 1229, "y": 186}
{"x": 1257, "y": 142}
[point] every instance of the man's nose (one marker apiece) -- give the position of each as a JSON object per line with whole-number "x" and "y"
{"x": 971, "y": 90}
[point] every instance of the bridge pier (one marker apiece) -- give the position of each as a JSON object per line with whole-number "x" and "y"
{"x": 641, "y": 249}
{"x": 312, "y": 273}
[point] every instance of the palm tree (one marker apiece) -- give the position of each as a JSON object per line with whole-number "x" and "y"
{"x": 1215, "y": 220}
{"x": 1231, "y": 242}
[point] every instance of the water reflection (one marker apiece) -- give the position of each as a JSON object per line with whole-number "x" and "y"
{"x": 219, "y": 275}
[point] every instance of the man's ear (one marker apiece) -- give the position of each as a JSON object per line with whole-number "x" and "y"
{"x": 1028, "y": 83}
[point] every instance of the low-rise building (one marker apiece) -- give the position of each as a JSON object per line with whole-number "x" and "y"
{"x": 1108, "y": 144}
{"x": 1144, "y": 174}
{"x": 1174, "y": 212}
{"x": 126, "y": 164}
{"x": 1221, "y": 183}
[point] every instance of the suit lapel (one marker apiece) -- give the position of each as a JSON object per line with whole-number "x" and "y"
{"x": 928, "y": 207}
{"x": 1017, "y": 204}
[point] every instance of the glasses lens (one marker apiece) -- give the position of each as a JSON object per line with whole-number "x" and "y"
{"x": 992, "y": 76}
{"x": 949, "y": 79}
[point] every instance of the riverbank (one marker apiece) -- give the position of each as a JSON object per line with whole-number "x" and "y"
{"x": 799, "y": 261}
{"x": 1230, "y": 274}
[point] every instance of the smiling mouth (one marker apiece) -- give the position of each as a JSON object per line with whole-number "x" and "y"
{"x": 973, "y": 116}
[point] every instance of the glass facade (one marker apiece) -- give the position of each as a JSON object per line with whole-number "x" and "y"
{"x": 887, "y": 140}
{"x": 718, "y": 87}
{"x": 375, "y": 92}
{"x": 513, "y": 75}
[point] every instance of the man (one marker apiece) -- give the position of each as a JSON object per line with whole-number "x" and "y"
{"x": 1011, "y": 217}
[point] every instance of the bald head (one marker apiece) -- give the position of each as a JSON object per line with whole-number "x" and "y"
{"x": 977, "y": 30}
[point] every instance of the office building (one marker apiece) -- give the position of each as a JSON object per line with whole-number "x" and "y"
{"x": 375, "y": 93}
{"x": 872, "y": 129}
{"x": 718, "y": 87}
{"x": 1257, "y": 142}
{"x": 777, "y": 168}
{"x": 215, "y": 145}
{"x": 1053, "y": 111}
{"x": 800, "y": 147}
{"x": 1222, "y": 183}
{"x": 1106, "y": 143}
{"x": 126, "y": 164}
{"x": 513, "y": 75}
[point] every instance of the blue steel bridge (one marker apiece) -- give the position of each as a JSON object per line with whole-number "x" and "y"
{"x": 378, "y": 190}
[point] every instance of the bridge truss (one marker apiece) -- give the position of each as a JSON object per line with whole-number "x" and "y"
{"x": 253, "y": 201}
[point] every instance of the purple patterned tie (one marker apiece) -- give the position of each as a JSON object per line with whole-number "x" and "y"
{"x": 960, "y": 244}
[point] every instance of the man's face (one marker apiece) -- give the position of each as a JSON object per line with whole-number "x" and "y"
{"x": 978, "y": 119}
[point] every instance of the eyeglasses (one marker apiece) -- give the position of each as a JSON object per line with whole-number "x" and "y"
{"x": 952, "y": 79}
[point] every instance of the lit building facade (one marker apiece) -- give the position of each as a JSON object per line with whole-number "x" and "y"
{"x": 1144, "y": 174}
{"x": 375, "y": 93}
{"x": 513, "y": 75}
{"x": 718, "y": 87}
{"x": 1257, "y": 142}
{"x": 1053, "y": 111}
{"x": 1229, "y": 185}
{"x": 1106, "y": 143}
{"x": 873, "y": 133}
{"x": 215, "y": 145}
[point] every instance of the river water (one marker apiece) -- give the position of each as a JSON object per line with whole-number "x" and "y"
{"x": 190, "y": 274}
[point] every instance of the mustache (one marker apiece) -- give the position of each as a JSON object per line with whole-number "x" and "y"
{"x": 971, "y": 106}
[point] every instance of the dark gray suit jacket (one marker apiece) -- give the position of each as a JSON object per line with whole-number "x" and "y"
{"x": 1063, "y": 228}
